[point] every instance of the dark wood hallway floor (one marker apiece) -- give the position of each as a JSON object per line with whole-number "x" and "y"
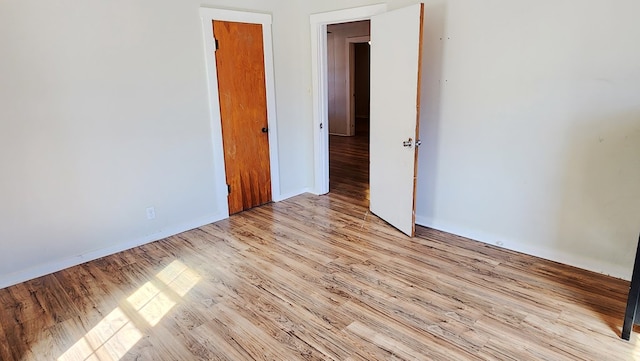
{"x": 316, "y": 278}
{"x": 349, "y": 166}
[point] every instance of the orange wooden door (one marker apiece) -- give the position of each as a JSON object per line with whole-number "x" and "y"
{"x": 243, "y": 110}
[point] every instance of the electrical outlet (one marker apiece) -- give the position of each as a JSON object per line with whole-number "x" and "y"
{"x": 151, "y": 213}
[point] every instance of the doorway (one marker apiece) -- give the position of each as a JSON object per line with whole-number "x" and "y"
{"x": 360, "y": 84}
{"x": 394, "y": 111}
{"x": 208, "y": 15}
{"x": 243, "y": 112}
{"x": 319, "y": 23}
{"x": 348, "y": 109}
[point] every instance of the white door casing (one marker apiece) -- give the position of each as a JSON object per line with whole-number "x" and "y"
{"x": 207, "y": 15}
{"x": 319, "y": 24}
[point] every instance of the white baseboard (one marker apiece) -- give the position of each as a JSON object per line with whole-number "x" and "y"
{"x": 55, "y": 266}
{"x": 553, "y": 255}
{"x": 282, "y": 197}
{"x": 545, "y": 253}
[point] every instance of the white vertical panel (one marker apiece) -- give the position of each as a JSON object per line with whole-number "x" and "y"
{"x": 395, "y": 61}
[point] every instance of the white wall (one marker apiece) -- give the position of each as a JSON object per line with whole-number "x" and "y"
{"x": 531, "y": 126}
{"x": 293, "y": 95}
{"x": 104, "y": 112}
{"x": 337, "y": 68}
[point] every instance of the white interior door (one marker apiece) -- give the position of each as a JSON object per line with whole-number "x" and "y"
{"x": 396, "y": 42}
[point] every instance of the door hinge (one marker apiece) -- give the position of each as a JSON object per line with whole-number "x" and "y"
{"x": 217, "y": 45}
{"x": 228, "y": 188}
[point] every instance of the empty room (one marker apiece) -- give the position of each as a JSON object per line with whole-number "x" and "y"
{"x": 319, "y": 180}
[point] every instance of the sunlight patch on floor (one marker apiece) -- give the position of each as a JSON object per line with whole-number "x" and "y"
{"x": 151, "y": 303}
{"x": 179, "y": 277}
{"x": 110, "y": 339}
{"x": 116, "y": 334}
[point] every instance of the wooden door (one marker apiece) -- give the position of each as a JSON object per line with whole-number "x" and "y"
{"x": 396, "y": 48}
{"x": 243, "y": 111}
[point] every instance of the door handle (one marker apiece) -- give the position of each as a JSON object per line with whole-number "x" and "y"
{"x": 408, "y": 143}
{"x": 265, "y": 130}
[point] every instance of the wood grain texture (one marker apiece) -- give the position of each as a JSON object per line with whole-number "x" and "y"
{"x": 418, "y": 110}
{"x": 243, "y": 111}
{"x": 349, "y": 165}
{"x": 316, "y": 278}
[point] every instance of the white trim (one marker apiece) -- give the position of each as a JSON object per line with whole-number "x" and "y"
{"x": 545, "y": 253}
{"x": 347, "y": 15}
{"x": 350, "y": 75}
{"x": 320, "y": 107}
{"x": 214, "y": 116}
{"x": 292, "y": 194}
{"x": 208, "y": 15}
{"x": 234, "y": 15}
{"x": 319, "y": 24}
{"x": 55, "y": 266}
{"x": 274, "y": 162}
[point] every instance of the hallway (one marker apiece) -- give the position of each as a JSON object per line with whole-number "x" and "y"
{"x": 349, "y": 164}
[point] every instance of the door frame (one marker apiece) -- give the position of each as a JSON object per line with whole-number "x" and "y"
{"x": 208, "y": 15}
{"x": 319, "y": 80}
{"x": 351, "y": 101}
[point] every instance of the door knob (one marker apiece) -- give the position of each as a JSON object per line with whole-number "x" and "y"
{"x": 408, "y": 143}
{"x": 265, "y": 129}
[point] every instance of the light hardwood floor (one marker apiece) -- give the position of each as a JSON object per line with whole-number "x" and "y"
{"x": 316, "y": 278}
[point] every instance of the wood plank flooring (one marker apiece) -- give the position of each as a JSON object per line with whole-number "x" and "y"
{"x": 316, "y": 278}
{"x": 349, "y": 164}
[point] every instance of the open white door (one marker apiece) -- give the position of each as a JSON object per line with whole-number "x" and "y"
{"x": 396, "y": 49}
